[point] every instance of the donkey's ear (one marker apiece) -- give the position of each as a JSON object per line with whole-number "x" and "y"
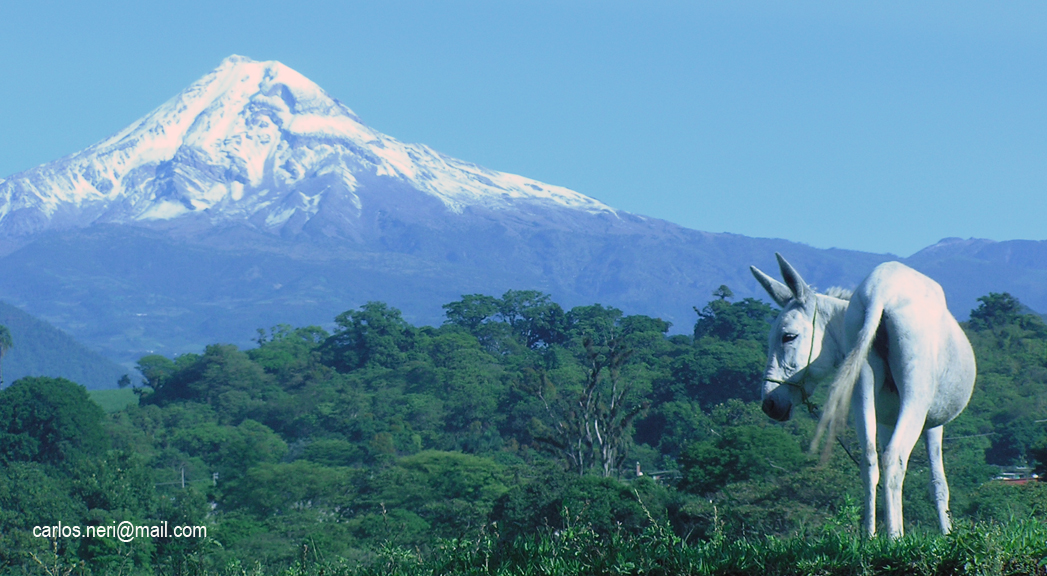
{"x": 793, "y": 280}
{"x": 779, "y": 292}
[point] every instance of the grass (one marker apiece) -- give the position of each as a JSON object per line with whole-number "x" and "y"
{"x": 113, "y": 400}
{"x": 989, "y": 549}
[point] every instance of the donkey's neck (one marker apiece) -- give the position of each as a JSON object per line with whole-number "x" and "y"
{"x": 831, "y": 312}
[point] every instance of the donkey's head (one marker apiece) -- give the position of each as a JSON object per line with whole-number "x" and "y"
{"x": 795, "y": 343}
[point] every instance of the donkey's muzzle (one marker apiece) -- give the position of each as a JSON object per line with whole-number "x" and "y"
{"x": 779, "y": 411}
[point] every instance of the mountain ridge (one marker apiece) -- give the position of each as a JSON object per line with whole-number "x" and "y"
{"x": 288, "y": 209}
{"x": 40, "y": 349}
{"x": 252, "y": 141}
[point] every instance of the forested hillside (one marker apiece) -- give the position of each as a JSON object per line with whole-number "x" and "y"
{"x": 513, "y": 417}
{"x": 40, "y": 349}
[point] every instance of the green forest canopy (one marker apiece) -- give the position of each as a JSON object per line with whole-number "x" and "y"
{"x": 384, "y": 432}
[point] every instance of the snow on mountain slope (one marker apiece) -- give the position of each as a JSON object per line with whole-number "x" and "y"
{"x": 251, "y": 141}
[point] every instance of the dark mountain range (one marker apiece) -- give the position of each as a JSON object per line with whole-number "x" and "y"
{"x": 969, "y": 269}
{"x": 43, "y": 350}
{"x": 254, "y": 198}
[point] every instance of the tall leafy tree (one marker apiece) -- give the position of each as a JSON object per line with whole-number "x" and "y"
{"x": 594, "y": 322}
{"x": 49, "y": 420}
{"x": 996, "y": 310}
{"x": 156, "y": 369}
{"x": 374, "y": 335}
{"x": 535, "y": 319}
{"x": 731, "y": 321}
{"x": 723, "y": 292}
{"x": 471, "y": 311}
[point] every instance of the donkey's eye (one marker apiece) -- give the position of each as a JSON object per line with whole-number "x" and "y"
{"x": 786, "y": 338}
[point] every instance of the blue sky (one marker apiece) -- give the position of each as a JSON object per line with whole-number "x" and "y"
{"x": 880, "y": 127}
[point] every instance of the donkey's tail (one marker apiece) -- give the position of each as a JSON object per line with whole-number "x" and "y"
{"x": 838, "y": 405}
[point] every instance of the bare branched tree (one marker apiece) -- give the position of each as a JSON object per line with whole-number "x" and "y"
{"x": 591, "y": 428}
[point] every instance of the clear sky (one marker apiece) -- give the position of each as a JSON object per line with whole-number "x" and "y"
{"x": 882, "y": 127}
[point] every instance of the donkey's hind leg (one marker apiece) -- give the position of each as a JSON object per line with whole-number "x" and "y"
{"x": 896, "y": 460}
{"x": 939, "y": 487}
{"x": 864, "y": 412}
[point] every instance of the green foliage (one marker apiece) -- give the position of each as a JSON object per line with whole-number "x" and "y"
{"x": 590, "y": 428}
{"x": 471, "y": 311}
{"x": 579, "y": 550}
{"x": 533, "y": 317}
{"x": 738, "y": 452}
{"x": 745, "y": 320}
{"x": 1009, "y": 405}
{"x": 385, "y": 447}
{"x": 374, "y": 336}
{"x": 156, "y": 370}
{"x": 287, "y": 351}
{"x": 1038, "y": 453}
{"x": 31, "y": 495}
{"x": 1000, "y": 502}
{"x": 528, "y": 317}
{"x": 229, "y": 450}
{"x": 548, "y": 497}
{"x": 716, "y": 370}
{"x": 48, "y": 420}
{"x": 997, "y": 312}
{"x": 447, "y": 494}
{"x": 273, "y": 489}
{"x": 593, "y": 322}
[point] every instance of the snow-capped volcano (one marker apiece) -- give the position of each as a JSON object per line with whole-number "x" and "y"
{"x": 254, "y": 199}
{"x": 256, "y": 142}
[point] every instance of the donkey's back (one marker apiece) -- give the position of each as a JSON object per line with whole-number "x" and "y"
{"x": 928, "y": 358}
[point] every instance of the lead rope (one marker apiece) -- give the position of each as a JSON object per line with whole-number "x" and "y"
{"x": 811, "y": 407}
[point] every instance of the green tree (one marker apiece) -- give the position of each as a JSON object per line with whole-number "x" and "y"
{"x": 279, "y": 488}
{"x": 376, "y": 335}
{"x": 1011, "y": 346}
{"x": 746, "y": 320}
{"x": 533, "y": 317}
{"x": 1039, "y": 456}
{"x": 31, "y": 496}
{"x": 156, "y": 369}
{"x": 595, "y": 322}
{"x": 723, "y": 292}
{"x": 640, "y": 324}
{"x": 737, "y": 452}
{"x": 471, "y": 311}
{"x": 547, "y": 496}
{"x": 999, "y": 311}
{"x": 49, "y": 420}
{"x": 230, "y": 450}
{"x": 432, "y": 493}
{"x": 288, "y": 351}
{"x": 714, "y": 371}
{"x": 995, "y": 310}
{"x": 223, "y": 377}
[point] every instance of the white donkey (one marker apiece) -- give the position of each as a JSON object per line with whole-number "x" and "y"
{"x": 900, "y": 360}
